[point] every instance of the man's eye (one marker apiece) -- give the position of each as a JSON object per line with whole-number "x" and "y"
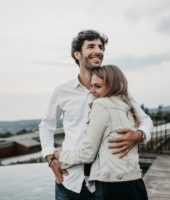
{"x": 101, "y": 47}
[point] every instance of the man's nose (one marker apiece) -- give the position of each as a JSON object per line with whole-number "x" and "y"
{"x": 98, "y": 50}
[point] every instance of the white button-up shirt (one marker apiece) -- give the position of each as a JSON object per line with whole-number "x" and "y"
{"x": 71, "y": 101}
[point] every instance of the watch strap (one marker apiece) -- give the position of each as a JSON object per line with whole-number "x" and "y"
{"x": 51, "y": 159}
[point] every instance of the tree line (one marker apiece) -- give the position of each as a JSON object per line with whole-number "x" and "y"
{"x": 159, "y": 117}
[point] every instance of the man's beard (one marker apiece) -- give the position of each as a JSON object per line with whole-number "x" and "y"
{"x": 89, "y": 66}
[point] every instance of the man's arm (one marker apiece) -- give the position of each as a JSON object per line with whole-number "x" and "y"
{"x": 146, "y": 124}
{"x": 56, "y": 168}
{"x": 47, "y": 129}
{"x": 130, "y": 137}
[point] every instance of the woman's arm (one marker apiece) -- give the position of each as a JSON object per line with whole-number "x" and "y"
{"x": 91, "y": 141}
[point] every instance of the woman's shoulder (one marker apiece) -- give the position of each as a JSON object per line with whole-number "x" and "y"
{"x": 103, "y": 101}
{"x": 111, "y": 102}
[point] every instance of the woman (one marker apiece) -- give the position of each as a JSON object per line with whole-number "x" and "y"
{"x": 115, "y": 178}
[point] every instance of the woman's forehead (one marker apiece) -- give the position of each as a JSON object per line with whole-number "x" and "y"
{"x": 96, "y": 79}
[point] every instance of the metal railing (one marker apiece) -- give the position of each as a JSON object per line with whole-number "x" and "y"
{"x": 160, "y": 141}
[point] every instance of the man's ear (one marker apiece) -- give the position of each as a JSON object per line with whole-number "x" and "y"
{"x": 77, "y": 55}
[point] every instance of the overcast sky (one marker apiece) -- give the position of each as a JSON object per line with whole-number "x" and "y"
{"x": 35, "y": 40}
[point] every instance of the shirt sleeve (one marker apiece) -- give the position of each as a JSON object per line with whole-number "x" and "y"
{"x": 86, "y": 154}
{"x": 47, "y": 127}
{"x": 146, "y": 124}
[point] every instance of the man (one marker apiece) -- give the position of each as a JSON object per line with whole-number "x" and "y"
{"x": 71, "y": 100}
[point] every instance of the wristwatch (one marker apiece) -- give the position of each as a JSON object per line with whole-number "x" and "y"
{"x": 143, "y": 136}
{"x": 51, "y": 159}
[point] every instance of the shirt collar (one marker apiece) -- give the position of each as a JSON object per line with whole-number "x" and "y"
{"x": 76, "y": 83}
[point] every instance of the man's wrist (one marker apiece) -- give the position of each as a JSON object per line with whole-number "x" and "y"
{"x": 50, "y": 158}
{"x": 142, "y": 136}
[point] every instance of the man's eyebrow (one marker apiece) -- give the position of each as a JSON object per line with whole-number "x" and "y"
{"x": 91, "y": 44}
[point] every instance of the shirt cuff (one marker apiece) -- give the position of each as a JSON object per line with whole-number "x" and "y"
{"x": 147, "y": 134}
{"x": 45, "y": 152}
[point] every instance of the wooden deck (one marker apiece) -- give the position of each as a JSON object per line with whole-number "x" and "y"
{"x": 157, "y": 179}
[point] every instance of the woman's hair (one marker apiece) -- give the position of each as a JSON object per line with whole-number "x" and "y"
{"x": 116, "y": 84}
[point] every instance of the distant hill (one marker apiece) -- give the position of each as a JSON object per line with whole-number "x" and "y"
{"x": 15, "y": 126}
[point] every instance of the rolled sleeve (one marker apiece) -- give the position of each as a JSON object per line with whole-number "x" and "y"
{"x": 146, "y": 124}
{"x": 147, "y": 134}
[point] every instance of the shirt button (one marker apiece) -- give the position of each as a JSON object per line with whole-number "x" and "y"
{"x": 119, "y": 177}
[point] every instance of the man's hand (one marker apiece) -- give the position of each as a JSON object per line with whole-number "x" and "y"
{"x": 124, "y": 143}
{"x": 58, "y": 172}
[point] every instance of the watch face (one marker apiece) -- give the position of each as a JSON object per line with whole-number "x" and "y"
{"x": 50, "y": 160}
{"x": 143, "y": 135}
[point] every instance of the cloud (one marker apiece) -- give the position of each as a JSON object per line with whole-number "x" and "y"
{"x": 164, "y": 25}
{"x": 146, "y": 9}
{"x": 140, "y": 62}
{"x": 54, "y": 63}
{"x": 155, "y": 15}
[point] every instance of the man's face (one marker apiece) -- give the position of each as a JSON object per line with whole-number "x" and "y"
{"x": 91, "y": 55}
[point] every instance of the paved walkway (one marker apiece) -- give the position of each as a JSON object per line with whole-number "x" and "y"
{"x": 157, "y": 179}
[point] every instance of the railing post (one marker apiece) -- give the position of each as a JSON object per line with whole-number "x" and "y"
{"x": 166, "y": 137}
{"x": 156, "y": 132}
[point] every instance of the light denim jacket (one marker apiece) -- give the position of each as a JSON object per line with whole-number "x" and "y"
{"x": 107, "y": 115}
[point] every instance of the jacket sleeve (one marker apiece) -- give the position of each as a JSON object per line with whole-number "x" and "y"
{"x": 91, "y": 141}
{"x": 47, "y": 126}
{"x": 146, "y": 124}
